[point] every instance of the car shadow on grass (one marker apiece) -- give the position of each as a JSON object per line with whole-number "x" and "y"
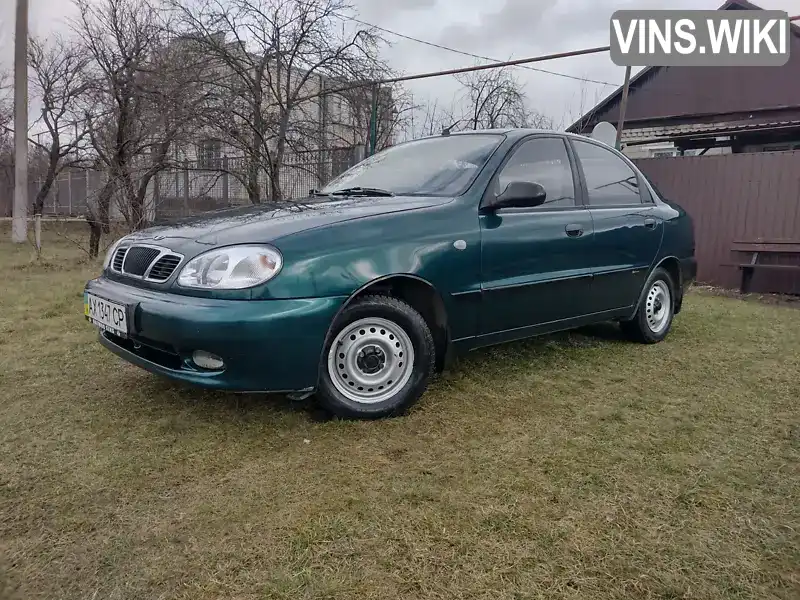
{"x": 158, "y": 395}
{"x": 545, "y": 351}
{"x": 607, "y": 332}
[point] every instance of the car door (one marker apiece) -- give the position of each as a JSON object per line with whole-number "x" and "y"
{"x": 627, "y": 225}
{"x": 535, "y": 261}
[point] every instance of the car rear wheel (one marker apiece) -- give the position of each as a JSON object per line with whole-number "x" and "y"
{"x": 377, "y": 361}
{"x": 656, "y": 310}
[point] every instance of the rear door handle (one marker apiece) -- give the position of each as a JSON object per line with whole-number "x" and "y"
{"x": 650, "y": 223}
{"x": 574, "y": 230}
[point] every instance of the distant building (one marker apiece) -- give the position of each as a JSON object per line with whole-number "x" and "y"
{"x": 337, "y": 124}
{"x": 707, "y": 110}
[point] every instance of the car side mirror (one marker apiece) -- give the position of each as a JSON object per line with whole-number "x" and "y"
{"x": 520, "y": 194}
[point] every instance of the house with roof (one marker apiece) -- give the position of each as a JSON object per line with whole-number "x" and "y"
{"x": 707, "y": 110}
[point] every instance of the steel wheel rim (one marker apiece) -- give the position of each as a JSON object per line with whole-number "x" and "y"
{"x": 658, "y": 307}
{"x": 370, "y": 360}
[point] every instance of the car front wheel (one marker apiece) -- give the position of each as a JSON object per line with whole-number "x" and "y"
{"x": 378, "y": 359}
{"x": 656, "y": 310}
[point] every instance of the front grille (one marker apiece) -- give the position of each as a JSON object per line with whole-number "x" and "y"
{"x": 164, "y": 267}
{"x": 119, "y": 256}
{"x": 152, "y": 263}
{"x": 138, "y": 259}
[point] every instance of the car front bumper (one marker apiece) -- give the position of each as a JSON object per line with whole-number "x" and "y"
{"x": 266, "y": 345}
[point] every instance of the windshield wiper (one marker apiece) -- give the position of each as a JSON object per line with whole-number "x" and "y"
{"x": 362, "y": 191}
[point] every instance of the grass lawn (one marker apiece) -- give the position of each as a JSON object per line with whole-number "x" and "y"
{"x": 573, "y": 466}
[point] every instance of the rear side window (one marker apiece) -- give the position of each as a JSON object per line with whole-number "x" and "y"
{"x": 609, "y": 180}
{"x": 544, "y": 161}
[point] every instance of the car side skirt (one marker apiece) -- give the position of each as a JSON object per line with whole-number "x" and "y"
{"x": 510, "y": 335}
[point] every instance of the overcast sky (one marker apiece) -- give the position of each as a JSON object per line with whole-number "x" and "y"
{"x": 500, "y": 29}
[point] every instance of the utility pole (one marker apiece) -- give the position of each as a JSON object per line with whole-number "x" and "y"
{"x": 19, "y": 223}
{"x": 623, "y": 107}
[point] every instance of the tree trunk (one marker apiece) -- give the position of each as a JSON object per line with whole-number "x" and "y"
{"x": 99, "y": 219}
{"x": 259, "y": 129}
{"x": 103, "y": 212}
{"x": 253, "y": 187}
{"x": 95, "y": 231}
{"x": 41, "y": 195}
{"x": 277, "y": 158}
{"x": 138, "y": 216}
{"x": 275, "y": 182}
{"x": 37, "y": 234}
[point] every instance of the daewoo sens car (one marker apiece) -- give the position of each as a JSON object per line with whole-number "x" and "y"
{"x": 363, "y": 291}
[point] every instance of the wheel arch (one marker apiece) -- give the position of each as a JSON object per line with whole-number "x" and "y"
{"x": 672, "y": 265}
{"x": 420, "y": 294}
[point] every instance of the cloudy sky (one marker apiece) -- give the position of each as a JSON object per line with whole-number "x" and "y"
{"x": 500, "y": 29}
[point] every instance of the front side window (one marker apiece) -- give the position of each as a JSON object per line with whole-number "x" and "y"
{"x": 544, "y": 161}
{"x": 609, "y": 180}
{"x": 441, "y": 166}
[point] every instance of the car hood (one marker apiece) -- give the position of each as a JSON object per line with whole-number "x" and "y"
{"x": 270, "y": 221}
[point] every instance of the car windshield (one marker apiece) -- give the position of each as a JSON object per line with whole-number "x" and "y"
{"x": 441, "y": 166}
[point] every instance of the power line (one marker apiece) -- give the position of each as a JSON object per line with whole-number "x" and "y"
{"x": 470, "y": 54}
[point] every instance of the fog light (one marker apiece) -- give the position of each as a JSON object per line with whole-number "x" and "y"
{"x": 206, "y": 360}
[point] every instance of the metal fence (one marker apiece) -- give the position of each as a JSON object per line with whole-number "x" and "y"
{"x": 199, "y": 186}
{"x": 735, "y": 198}
{"x": 71, "y": 192}
{"x": 60, "y": 202}
{"x": 194, "y": 187}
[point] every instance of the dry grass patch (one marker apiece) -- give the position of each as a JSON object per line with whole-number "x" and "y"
{"x": 573, "y": 466}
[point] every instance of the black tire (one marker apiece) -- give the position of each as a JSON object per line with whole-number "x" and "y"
{"x": 402, "y": 315}
{"x": 640, "y": 328}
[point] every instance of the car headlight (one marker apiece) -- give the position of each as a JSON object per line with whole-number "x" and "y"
{"x": 231, "y": 268}
{"x": 110, "y": 253}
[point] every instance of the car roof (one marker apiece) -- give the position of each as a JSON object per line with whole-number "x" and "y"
{"x": 517, "y": 132}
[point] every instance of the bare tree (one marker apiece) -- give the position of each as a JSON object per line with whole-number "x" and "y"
{"x": 59, "y": 69}
{"x": 431, "y": 118}
{"x": 582, "y": 109}
{"x": 6, "y": 109}
{"x": 6, "y": 135}
{"x": 7, "y": 153}
{"x": 495, "y": 98}
{"x": 143, "y": 99}
{"x": 269, "y": 57}
{"x": 392, "y": 109}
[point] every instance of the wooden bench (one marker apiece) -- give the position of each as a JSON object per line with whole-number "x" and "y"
{"x": 760, "y": 248}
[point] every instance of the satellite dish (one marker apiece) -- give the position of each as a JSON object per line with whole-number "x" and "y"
{"x": 605, "y": 132}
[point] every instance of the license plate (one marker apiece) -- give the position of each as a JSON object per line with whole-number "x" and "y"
{"x": 108, "y": 316}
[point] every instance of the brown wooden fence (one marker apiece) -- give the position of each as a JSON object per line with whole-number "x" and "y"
{"x": 735, "y": 198}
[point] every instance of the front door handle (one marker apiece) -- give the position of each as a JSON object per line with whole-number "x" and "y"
{"x": 650, "y": 223}
{"x": 574, "y": 230}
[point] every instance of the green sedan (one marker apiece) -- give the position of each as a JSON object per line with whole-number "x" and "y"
{"x": 360, "y": 293}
